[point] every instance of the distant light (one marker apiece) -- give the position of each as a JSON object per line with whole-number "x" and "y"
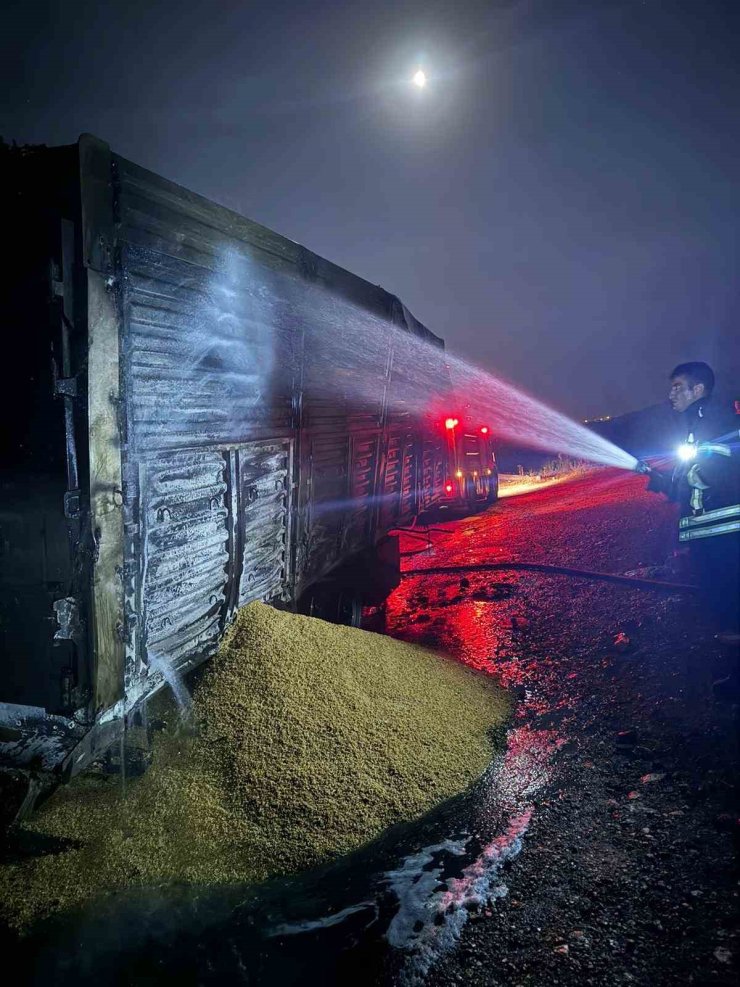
{"x": 458, "y": 474}
{"x": 484, "y": 430}
{"x": 420, "y": 79}
{"x": 686, "y": 452}
{"x": 451, "y": 422}
{"x": 448, "y": 487}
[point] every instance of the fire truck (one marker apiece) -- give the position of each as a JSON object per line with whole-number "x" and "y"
{"x": 472, "y": 474}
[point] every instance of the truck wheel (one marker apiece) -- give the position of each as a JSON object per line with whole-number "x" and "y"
{"x": 470, "y": 495}
{"x": 336, "y": 604}
{"x": 492, "y": 495}
{"x": 349, "y": 609}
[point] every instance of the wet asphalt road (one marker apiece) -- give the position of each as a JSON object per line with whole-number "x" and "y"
{"x": 629, "y": 866}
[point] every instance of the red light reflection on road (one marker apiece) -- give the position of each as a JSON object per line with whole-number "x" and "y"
{"x": 474, "y": 887}
{"x": 483, "y": 633}
{"x": 525, "y": 769}
{"x": 435, "y": 906}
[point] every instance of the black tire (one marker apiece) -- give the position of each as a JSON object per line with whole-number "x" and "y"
{"x": 492, "y": 495}
{"x": 349, "y": 609}
{"x": 333, "y": 603}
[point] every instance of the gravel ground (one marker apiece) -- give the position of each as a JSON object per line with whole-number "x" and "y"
{"x": 629, "y": 872}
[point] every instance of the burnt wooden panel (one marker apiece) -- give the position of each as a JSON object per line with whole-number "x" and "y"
{"x": 211, "y": 328}
{"x": 364, "y": 451}
{"x": 178, "y": 222}
{"x": 326, "y": 476}
{"x": 432, "y": 469}
{"x": 280, "y": 371}
{"x": 398, "y": 495}
{"x": 103, "y": 395}
{"x": 390, "y": 490}
{"x": 409, "y": 496}
{"x": 208, "y": 358}
{"x": 184, "y": 552}
{"x": 346, "y": 364}
{"x": 264, "y": 519}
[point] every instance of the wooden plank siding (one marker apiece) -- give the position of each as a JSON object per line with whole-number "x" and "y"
{"x": 268, "y": 415}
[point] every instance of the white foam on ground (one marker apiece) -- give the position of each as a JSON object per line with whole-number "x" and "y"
{"x": 310, "y": 925}
{"x": 433, "y": 910}
{"x": 432, "y": 914}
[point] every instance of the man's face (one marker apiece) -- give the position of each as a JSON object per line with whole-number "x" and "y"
{"x": 682, "y": 394}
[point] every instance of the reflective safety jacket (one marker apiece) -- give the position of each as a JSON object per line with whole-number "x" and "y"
{"x": 722, "y": 521}
{"x": 706, "y": 479}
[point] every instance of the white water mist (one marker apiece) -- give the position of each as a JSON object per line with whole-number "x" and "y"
{"x": 165, "y": 667}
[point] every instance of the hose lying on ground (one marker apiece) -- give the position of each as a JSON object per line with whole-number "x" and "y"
{"x": 419, "y": 532}
{"x": 560, "y": 570}
{"x": 425, "y": 537}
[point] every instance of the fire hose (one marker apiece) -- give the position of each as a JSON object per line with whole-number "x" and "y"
{"x": 559, "y": 570}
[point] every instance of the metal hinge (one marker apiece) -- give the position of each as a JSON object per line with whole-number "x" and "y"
{"x": 72, "y": 504}
{"x": 68, "y": 619}
{"x": 65, "y": 387}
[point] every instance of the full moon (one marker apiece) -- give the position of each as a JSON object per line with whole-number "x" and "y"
{"x": 419, "y": 79}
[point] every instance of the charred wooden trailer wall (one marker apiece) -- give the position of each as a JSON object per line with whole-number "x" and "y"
{"x": 248, "y": 419}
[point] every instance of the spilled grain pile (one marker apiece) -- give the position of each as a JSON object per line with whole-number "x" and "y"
{"x": 309, "y": 740}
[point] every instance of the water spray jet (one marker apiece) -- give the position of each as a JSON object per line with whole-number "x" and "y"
{"x": 445, "y": 382}
{"x": 444, "y": 388}
{"x": 165, "y": 667}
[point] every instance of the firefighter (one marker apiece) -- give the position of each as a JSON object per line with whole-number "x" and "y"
{"x": 705, "y": 482}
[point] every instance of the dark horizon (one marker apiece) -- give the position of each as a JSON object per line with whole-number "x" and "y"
{"x": 559, "y": 204}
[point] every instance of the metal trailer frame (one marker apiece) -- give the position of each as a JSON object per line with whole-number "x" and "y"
{"x": 226, "y": 439}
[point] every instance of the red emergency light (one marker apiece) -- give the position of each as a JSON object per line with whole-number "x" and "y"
{"x": 451, "y": 422}
{"x": 484, "y": 430}
{"x": 448, "y": 487}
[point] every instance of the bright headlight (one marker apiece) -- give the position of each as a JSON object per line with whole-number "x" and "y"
{"x": 686, "y": 452}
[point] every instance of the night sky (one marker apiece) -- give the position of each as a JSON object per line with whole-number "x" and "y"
{"x": 561, "y": 203}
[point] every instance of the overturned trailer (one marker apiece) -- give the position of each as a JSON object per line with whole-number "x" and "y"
{"x": 200, "y": 413}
